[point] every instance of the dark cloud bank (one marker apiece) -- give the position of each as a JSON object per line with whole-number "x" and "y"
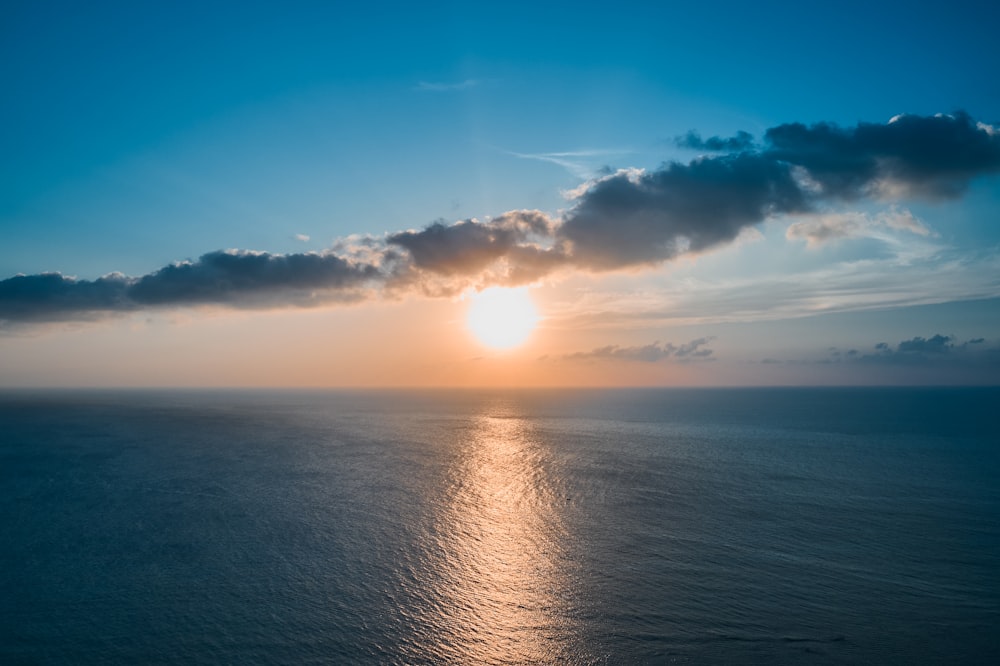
{"x": 625, "y": 220}
{"x": 232, "y": 277}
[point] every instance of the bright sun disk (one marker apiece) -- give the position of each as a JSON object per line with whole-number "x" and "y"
{"x": 502, "y": 318}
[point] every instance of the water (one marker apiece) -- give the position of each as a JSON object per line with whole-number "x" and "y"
{"x": 821, "y": 526}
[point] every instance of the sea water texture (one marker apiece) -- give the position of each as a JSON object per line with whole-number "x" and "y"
{"x": 770, "y": 526}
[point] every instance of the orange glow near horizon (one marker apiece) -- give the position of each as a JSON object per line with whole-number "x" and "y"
{"x": 405, "y": 343}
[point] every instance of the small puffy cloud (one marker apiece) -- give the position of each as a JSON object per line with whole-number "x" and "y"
{"x": 650, "y": 353}
{"x": 304, "y": 238}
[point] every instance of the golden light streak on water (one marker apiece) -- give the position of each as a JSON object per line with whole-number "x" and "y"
{"x": 499, "y": 537}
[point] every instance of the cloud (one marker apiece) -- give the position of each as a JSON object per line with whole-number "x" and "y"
{"x": 741, "y": 141}
{"x": 778, "y": 292}
{"x": 937, "y": 351}
{"x": 626, "y": 219}
{"x": 237, "y": 277}
{"x": 928, "y": 156}
{"x": 232, "y": 277}
{"x": 51, "y": 296}
{"x": 651, "y": 353}
{"x": 469, "y": 246}
{"x": 583, "y": 164}
{"x": 937, "y": 344}
{"x": 302, "y": 237}
{"x": 824, "y": 228}
{"x": 438, "y": 86}
{"x": 512, "y": 249}
{"x": 919, "y": 350}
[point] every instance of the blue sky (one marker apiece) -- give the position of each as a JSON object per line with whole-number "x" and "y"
{"x": 135, "y": 136}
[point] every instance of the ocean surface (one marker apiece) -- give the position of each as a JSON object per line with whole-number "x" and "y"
{"x": 760, "y": 526}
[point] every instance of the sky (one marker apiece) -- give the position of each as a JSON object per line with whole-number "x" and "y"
{"x": 691, "y": 194}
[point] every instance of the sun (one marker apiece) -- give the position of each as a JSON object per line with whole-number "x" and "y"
{"x": 502, "y": 318}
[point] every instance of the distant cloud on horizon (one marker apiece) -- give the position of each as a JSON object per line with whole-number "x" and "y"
{"x": 651, "y": 353}
{"x": 936, "y": 349}
{"x": 626, "y": 220}
{"x": 920, "y": 350}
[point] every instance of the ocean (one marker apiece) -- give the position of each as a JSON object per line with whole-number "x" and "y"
{"x": 714, "y": 526}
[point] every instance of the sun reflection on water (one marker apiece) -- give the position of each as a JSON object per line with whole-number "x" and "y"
{"x": 498, "y": 542}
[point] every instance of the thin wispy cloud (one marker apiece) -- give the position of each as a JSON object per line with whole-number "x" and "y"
{"x": 823, "y": 229}
{"x": 583, "y": 164}
{"x": 627, "y": 220}
{"x": 446, "y": 86}
{"x": 847, "y": 286}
